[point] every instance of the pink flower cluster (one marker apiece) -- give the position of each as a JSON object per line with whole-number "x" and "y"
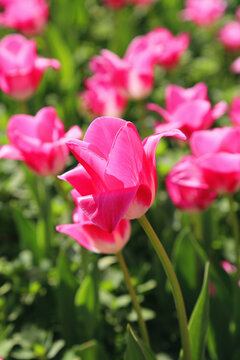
{"x": 28, "y": 16}
{"x": 203, "y": 12}
{"x": 211, "y": 170}
{"x": 21, "y": 69}
{"x": 116, "y": 79}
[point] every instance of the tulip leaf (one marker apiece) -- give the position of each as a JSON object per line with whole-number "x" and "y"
{"x": 198, "y": 323}
{"x": 136, "y": 349}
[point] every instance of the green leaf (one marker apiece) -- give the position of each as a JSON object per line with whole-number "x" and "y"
{"x": 87, "y": 350}
{"x": 56, "y": 347}
{"x": 136, "y": 349}
{"x": 198, "y": 323}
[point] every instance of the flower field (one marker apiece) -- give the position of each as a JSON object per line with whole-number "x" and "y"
{"x": 119, "y": 179}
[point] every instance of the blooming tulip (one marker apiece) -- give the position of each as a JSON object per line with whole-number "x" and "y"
{"x": 118, "y": 176}
{"x": 101, "y": 97}
{"x": 21, "y": 69}
{"x": 39, "y": 141}
{"x": 187, "y": 109}
{"x": 91, "y": 236}
{"x": 235, "y": 111}
{"x": 229, "y": 36}
{"x": 235, "y": 66}
{"x": 218, "y": 152}
{"x": 204, "y": 12}
{"x": 28, "y": 16}
{"x": 186, "y": 186}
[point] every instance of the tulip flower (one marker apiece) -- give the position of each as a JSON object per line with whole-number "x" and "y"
{"x": 235, "y": 111}
{"x": 187, "y": 187}
{"x": 21, "y": 69}
{"x": 203, "y": 12}
{"x": 218, "y": 152}
{"x": 235, "y": 66}
{"x": 187, "y": 109}
{"x": 39, "y": 141}
{"x": 28, "y": 16}
{"x": 91, "y": 236}
{"x": 118, "y": 176}
{"x": 101, "y": 97}
{"x": 229, "y": 36}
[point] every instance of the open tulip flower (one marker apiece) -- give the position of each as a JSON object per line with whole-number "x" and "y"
{"x": 218, "y": 152}
{"x": 203, "y": 12}
{"x": 187, "y": 109}
{"x": 21, "y": 69}
{"x": 28, "y": 16}
{"x": 229, "y": 36}
{"x": 91, "y": 236}
{"x": 39, "y": 141}
{"x": 117, "y": 177}
{"x": 187, "y": 187}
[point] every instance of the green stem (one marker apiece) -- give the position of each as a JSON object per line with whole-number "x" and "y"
{"x": 132, "y": 292}
{"x": 234, "y": 220}
{"x": 177, "y": 294}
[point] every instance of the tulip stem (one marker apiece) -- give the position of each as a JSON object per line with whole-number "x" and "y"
{"x": 177, "y": 294}
{"x": 235, "y": 226}
{"x": 137, "y": 307}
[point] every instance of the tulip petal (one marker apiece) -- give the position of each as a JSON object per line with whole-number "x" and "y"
{"x": 219, "y": 109}
{"x": 102, "y": 132}
{"x": 43, "y": 64}
{"x": 125, "y": 158}
{"x": 10, "y": 152}
{"x": 90, "y": 158}
{"x": 107, "y": 209}
{"x": 158, "y": 109}
{"x": 74, "y": 132}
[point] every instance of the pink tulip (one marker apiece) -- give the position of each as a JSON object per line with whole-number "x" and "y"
{"x": 91, "y": 236}
{"x": 39, "y": 141}
{"x": 167, "y": 48}
{"x": 101, "y": 97}
{"x": 28, "y": 16}
{"x": 187, "y": 109}
{"x": 21, "y": 69}
{"x": 229, "y": 36}
{"x": 131, "y": 75}
{"x": 186, "y": 186}
{"x": 203, "y": 12}
{"x": 218, "y": 152}
{"x": 235, "y": 111}
{"x": 118, "y": 176}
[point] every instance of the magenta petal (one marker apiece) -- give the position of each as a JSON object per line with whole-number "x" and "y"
{"x": 10, "y": 152}
{"x": 107, "y": 209}
{"x": 125, "y": 158}
{"x": 219, "y": 109}
{"x": 235, "y": 67}
{"x": 80, "y": 180}
{"x": 151, "y": 142}
{"x": 43, "y": 63}
{"x": 102, "y": 132}
{"x": 90, "y": 158}
{"x": 158, "y": 109}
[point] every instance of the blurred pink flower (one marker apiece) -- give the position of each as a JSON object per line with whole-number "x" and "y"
{"x": 118, "y": 176}
{"x": 39, "y": 141}
{"x": 187, "y": 109}
{"x": 118, "y": 4}
{"x": 229, "y": 36}
{"x": 218, "y": 152}
{"x": 235, "y": 111}
{"x": 91, "y": 236}
{"x": 203, "y": 12}
{"x": 101, "y": 97}
{"x": 21, "y": 69}
{"x": 186, "y": 186}
{"x": 134, "y": 73}
{"x": 28, "y": 16}
{"x": 229, "y": 268}
{"x": 235, "y": 67}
